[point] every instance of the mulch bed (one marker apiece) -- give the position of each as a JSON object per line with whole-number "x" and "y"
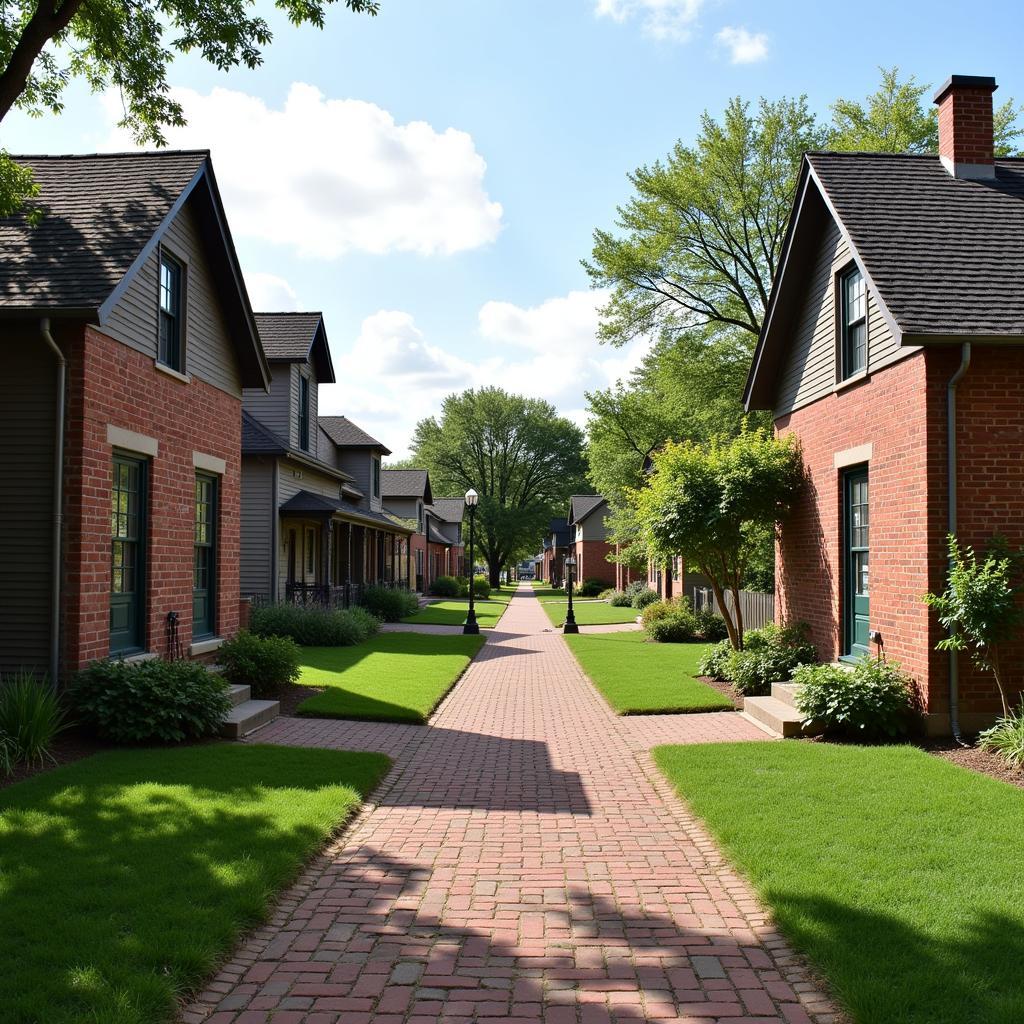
{"x": 980, "y": 761}
{"x": 726, "y": 690}
{"x": 67, "y": 747}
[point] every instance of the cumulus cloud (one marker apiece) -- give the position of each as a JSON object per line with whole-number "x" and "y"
{"x": 744, "y": 47}
{"x": 269, "y": 293}
{"x": 393, "y": 376}
{"x": 328, "y": 176}
{"x": 661, "y": 19}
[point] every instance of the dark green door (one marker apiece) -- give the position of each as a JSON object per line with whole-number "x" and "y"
{"x": 856, "y": 575}
{"x": 204, "y": 575}
{"x": 127, "y": 555}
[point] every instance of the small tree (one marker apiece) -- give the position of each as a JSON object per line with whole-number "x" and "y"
{"x": 714, "y": 503}
{"x": 979, "y": 607}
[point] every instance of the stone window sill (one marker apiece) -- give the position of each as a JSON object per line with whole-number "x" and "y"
{"x": 171, "y": 372}
{"x": 206, "y": 646}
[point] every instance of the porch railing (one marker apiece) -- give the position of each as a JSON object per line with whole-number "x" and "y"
{"x": 322, "y": 595}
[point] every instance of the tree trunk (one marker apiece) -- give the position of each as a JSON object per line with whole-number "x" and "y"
{"x": 735, "y": 636}
{"x": 738, "y": 611}
{"x": 494, "y": 574}
{"x": 993, "y": 656}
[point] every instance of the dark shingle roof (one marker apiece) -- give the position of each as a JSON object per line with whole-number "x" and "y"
{"x": 287, "y": 336}
{"x": 581, "y": 505}
{"x": 258, "y": 439}
{"x": 308, "y": 502}
{"x": 405, "y": 483}
{"x": 559, "y": 528}
{"x": 99, "y": 212}
{"x": 945, "y": 254}
{"x": 344, "y": 433}
{"x": 450, "y": 510}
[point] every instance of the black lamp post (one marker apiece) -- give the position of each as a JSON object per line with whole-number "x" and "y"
{"x": 471, "y": 624}
{"x": 570, "y": 619}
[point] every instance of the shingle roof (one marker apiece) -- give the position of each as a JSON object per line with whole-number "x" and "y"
{"x": 559, "y": 528}
{"x": 405, "y": 483}
{"x": 344, "y": 433}
{"x": 99, "y": 212}
{"x": 308, "y": 502}
{"x": 945, "y": 254}
{"x": 450, "y": 510}
{"x": 287, "y": 336}
{"x": 581, "y": 505}
{"x": 258, "y": 439}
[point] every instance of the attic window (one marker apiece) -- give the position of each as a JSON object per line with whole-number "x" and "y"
{"x": 170, "y": 351}
{"x": 854, "y": 323}
{"x": 304, "y": 413}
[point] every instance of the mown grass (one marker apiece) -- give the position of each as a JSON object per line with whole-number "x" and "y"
{"x": 897, "y": 873}
{"x": 394, "y": 677}
{"x": 126, "y": 877}
{"x": 588, "y": 613}
{"x": 640, "y": 678}
{"x": 453, "y": 612}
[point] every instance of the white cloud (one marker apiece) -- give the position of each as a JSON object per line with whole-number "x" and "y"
{"x": 392, "y": 377}
{"x": 269, "y": 293}
{"x": 744, "y": 47}
{"x": 661, "y": 19}
{"x": 326, "y": 176}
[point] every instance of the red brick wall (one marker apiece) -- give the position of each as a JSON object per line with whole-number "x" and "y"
{"x": 110, "y": 383}
{"x": 592, "y": 561}
{"x": 418, "y": 542}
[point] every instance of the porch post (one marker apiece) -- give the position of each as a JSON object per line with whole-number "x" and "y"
{"x": 327, "y": 556}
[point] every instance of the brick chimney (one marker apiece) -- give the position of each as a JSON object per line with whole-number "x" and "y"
{"x": 965, "y": 126}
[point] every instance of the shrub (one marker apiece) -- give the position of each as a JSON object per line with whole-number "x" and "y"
{"x": 481, "y": 587}
{"x": 769, "y": 655}
{"x": 873, "y": 700}
{"x": 1006, "y": 738}
{"x": 263, "y": 662}
{"x": 607, "y": 594}
{"x": 677, "y": 627}
{"x": 715, "y": 662}
{"x": 313, "y": 627}
{"x": 31, "y": 717}
{"x": 634, "y": 588}
{"x": 620, "y": 599}
{"x": 389, "y": 604}
{"x": 446, "y": 586}
{"x": 710, "y": 625}
{"x": 164, "y": 701}
{"x": 655, "y": 611}
{"x": 643, "y": 598}
{"x": 590, "y": 588}
{"x": 7, "y": 756}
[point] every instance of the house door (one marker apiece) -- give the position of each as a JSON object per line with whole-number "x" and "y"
{"x": 856, "y": 575}
{"x": 204, "y": 572}
{"x": 127, "y": 555}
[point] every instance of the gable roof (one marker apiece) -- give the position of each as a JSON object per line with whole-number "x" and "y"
{"x": 449, "y": 510}
{"x": 559, "y": 529}
{"x": 306, "y": 502}
{"x": 405, "y": 483}
{"x": 296, "y": 338}
{"x": 943, "y": 256}
{"x": 582, "y": 505}
{"x": 259, "y": 439}
{"x": 102, "y": 216}
{"x": 345, "y": 434}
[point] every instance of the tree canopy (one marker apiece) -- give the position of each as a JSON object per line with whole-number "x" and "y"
{"x": 46, "y": 43}
{"x": 521, "y": 457}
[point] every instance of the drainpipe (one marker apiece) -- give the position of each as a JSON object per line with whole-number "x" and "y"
{"x": 275, "y": 530}
{"x": 58, "y": 502}
{"x": 954, "y": 670}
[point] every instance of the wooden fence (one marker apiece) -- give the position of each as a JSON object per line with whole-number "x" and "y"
{"x": 757, "y": 609}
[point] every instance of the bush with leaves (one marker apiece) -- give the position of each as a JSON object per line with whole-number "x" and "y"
{"x": 634, "y": 588}
{"x": 481, "y": 587}
{"x": 31, "y": 718}
{"x": 769, "y": 655}
{"x": 150, "y": 701}
{"x": 447, "y": 586}
{"x": 873, "y": 700}
{"x": 8, "y": 758}
{"x": 313, "y": 626}
{"x": 620, "y": 599}
{"x": 590, "y": 588}
{"x": 389, "y": 604}
{"x": 715, "y": 662}
{"x": 656, "y": 610}
{"x": 711, "y": 625}
{"x": 1006, "y": 738}
{"x": 266, "y": 663}
{"x": 679, "y": 626}
{"x": 643, "y": 598}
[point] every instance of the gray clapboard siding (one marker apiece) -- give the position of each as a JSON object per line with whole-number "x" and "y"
{"x": 809, "y": 370}
{"x": 273, "y": 408}
{"x": 209, "y": 353}
{"x": 257, "y": 525}
{"x": 357, "y": 462}
{"x": 28, "y": 375}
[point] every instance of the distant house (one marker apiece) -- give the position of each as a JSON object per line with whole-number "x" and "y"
{"x": 891, "y": 349}
{"x": 445, "y": 541}
{"x": 588, "y": 538}
{"x": 407, "y": 495}
{"x": 128, "y": 341}
{"x": 556, "y": 547}
{"x": 314, "y": 527}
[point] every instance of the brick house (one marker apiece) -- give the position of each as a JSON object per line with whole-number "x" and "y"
{"x": 128, "y": 341}
{"x": 588, "y": 538}
{"x": 446, "y": 553}
{"x": 314, "y": 526}
{"x": 891, "y": 349}
{"x": 407, "y": 495}
{"x": 556, "y": 547}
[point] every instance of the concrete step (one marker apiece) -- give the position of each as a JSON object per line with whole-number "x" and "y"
{"x": 786, "y": 692}
{"x": 248, "y": 716}
{"x": 781, "y": 718}
{"x": 239, "y": 694}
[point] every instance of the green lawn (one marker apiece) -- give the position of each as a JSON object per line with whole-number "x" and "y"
{"x": 588, "y": 613}
{"x": 452, "y": 612}
{"x": 897, "y": 873}
{"x": 126, "y": 877}
{"x": 640, "y": 678}
{"x": 394, "y": 677}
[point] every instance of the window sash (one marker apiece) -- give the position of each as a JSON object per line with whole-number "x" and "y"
{"x": 854, "y": 323}
{"x": 170, "y": 312}
{"x": 304, "y": 413}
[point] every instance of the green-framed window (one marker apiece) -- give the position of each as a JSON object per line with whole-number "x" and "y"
{"x": 172, "y": 277}
{"x": 128, "y": 555}
{"x": 854, "y": 322}
{"x": 204, "y": 568}
{"x": 304, "y": 413}
{"x": 856, "y": 573}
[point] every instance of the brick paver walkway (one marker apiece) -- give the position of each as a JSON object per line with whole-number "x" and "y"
{"x": 523, "y": 862}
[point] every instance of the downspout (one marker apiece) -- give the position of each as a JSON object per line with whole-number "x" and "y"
{"x": 954, "y": 669}
{"x": 275, "y": 531}
{"x": 58, "y": 503}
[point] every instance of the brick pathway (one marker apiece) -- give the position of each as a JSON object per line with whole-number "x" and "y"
{"x": 523, "y": 862}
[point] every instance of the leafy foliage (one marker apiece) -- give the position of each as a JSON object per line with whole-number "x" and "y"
{"x": 715, "y": 662}
{"x": 314, "y": 627}
{"x": 590, "y": 588}
{"x": 980, "y": 607}
{"x": 678, "y": 626}
{"x": 642, "y": 598}
{"x": 389, "y": 604}
{"x": 769, "y": 655}
{"x": 711, "y": 625}
{"x": 150, "y": 701}
{"x": 873, "y": 700}
{"x": 31, "y": 718}
{"x": 1006, "y": 738}
{"x": 265, "y": 663}
{"x": 445, "y": 586}
{"x": 620, "y": 599}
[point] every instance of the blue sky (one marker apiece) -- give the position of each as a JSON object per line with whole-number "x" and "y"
{"x": 430, "y": 178}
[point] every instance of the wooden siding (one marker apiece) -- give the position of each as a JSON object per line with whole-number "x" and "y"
{"x": 209, "y": 352}
{"x": 274, "y": 409}
{"x": 357, "y": 462}
{"x": 809, "y": 369}
{"x": 28, "y": 379}
{"x": 257, "y": 525}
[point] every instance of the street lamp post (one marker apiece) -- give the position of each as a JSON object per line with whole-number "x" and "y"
{"x": 471, "y": 624}
{"x": 570, "y": 619}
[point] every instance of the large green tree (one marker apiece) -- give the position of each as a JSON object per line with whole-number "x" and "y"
{"x": 517, "y": 453}
{"x": 46, "y": 43}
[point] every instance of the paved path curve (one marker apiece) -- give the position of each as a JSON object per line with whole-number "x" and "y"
{"x": 522, "y": 862}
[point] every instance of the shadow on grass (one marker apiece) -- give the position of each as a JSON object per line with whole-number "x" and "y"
{"x": 125, "y": 877}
